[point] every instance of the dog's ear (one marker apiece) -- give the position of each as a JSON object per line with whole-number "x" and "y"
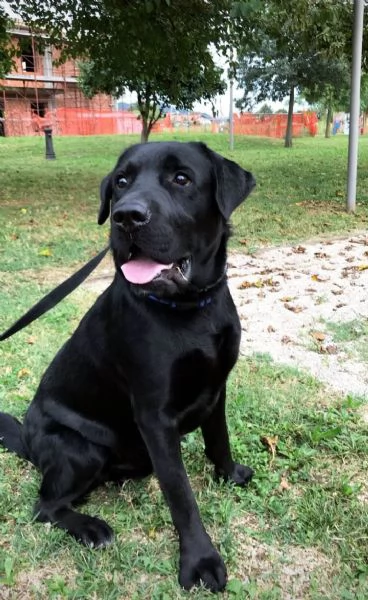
{"x": 105, "y": 198}
{"x": 233, "y": 183}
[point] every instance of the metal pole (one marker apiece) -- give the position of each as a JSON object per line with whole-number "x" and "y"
{"x": 355, "y": 104}
{"x": 231, "y": 115}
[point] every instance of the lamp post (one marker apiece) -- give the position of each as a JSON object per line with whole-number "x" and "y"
{"x": 355, "y": 104}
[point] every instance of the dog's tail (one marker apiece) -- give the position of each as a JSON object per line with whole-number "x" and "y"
{"x": 11, "y": 435}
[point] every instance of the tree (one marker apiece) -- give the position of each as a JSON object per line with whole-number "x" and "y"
{"x": 294, "y": 40}
{"x": 154, "y": 94}
{"x": 7, "y": 49}
{"x": 265, "y": 109}
{"x": 157, "y": 48}
{"x": 332, "y": 89}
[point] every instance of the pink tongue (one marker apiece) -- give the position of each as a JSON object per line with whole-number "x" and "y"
{"x": 142, "y": 270}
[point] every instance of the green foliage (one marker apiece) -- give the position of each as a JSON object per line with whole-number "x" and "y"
{"x": 298, "y": 44}
{"x": 265, "y": 109}
{"x": 158, "y": 49}
{"x": 154, "y": 92}
{"x": 7, "y": 49}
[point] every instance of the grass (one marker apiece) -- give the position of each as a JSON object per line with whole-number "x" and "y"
{"x": 300, "y": 529}
{"x": 349, "y": 337}
{"x": 300, "y": 194}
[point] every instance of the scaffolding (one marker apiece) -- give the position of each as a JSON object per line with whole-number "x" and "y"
{"x": 39, "y": 92}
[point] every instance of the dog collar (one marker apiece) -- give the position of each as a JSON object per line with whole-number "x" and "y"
{"x": 177, "y": 304}
{"x": 201, "y": 302}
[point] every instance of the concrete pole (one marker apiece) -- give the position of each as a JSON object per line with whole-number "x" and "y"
{"x": 355, "y": 104}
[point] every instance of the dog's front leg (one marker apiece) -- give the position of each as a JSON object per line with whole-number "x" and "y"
{"x": 199, "y": 560}
{"x": 217, "y": 446}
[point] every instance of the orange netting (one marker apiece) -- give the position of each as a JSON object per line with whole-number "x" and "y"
{"x": 85, "y": 121}
{"x": 275, "y": 125}
{"x": 72, "y": 121}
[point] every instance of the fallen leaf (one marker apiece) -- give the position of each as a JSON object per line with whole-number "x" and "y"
{"x": 362, "y": 267}
{"x": 271, "y": 443}
{"x": 294, "y": 308}
{"x": 287, "y": 298}
{"x": 245, "y": 284}
{"x": 249, "y": 284}
{"x": 244, "y": 242}
{"x": 317, "y": 277}
{"x": 298, "y": 249}
{"x": 23, "y": 211}
{"x": 14, "y": 236}
{"x": 284, "y": 484}
{"x": 286, "y": 339}
{"x": 318, "y": 335}
{"x": 23, "y": 373}
{"x": 337, "y": 292}
{"x": 331, "y": 349}
{"x": 45, "y": 252}
{"x": 321, "y": 255}
{"x": 31, "y": 339}
{"x": 271, "y": 329}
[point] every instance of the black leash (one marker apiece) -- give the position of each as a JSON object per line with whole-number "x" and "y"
{"x": 55, "y": 296}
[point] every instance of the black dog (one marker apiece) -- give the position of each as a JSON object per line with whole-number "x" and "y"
{"x": 149, "y": 361}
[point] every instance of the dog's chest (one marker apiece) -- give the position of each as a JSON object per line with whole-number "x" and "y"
{"x": 197, "y": 377}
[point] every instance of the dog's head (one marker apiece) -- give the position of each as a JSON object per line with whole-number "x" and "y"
{"x": 170, "y": 204}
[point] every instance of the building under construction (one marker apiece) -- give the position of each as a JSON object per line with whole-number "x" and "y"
{"x": 37, "y": 93}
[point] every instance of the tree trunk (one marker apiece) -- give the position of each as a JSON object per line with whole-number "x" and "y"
{"x": 328, "y": 121}
{"x": 289, "y": 128}
{"x": 145, "y": 130}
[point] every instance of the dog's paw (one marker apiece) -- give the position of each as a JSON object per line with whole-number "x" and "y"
{"x": 92, "y": 532}
{"x": 207, "y": 568}
{"x": 240, "y": 475}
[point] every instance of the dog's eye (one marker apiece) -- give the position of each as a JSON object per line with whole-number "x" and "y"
{"x": 181, "y": 179}
{"x": 121, "y": 181}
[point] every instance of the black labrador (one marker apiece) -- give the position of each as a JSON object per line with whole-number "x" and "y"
{"x": 148, "y": 363}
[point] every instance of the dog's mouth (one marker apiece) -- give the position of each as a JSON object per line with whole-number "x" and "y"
{"x": 140, "y": 269}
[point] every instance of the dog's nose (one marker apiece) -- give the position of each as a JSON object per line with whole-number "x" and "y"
{"x": 131, "y": 215}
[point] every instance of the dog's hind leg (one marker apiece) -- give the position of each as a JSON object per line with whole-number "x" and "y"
{"x": 217, "y": 446}
{"x": 11, "y": 435}
{"x": 72, "y": 467}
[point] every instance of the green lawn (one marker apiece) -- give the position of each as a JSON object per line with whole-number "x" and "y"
{"x": 300, "y": 530}
{"x": 300, "y": 194}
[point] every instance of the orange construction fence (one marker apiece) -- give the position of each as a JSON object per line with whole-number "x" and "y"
{"x": 274, "y": 125}
{"x": 83, "y": 121}
{"x": 71, "y": 121}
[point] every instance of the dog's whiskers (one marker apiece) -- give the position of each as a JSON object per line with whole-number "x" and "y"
{"x": 181, "y": 273}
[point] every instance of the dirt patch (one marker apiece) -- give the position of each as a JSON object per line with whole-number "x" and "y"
{"x": 32, "y": 584}
{"x": 286, "y": 295}
{"x": 293, "y": 570}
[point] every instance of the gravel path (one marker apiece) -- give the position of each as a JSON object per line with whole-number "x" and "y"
{"x": 285, "y": 296}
